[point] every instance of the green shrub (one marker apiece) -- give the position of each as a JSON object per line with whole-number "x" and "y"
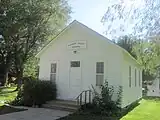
{"x": 35, "y": 92}
{"x": 19, "y": 100}
{"x": 103, "y": 103}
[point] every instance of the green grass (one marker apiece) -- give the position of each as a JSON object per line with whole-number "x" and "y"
{"x": 147, "y": 110}
{"x": 7, "y": 94}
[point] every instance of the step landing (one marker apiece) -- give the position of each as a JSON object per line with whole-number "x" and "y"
{"x": 63, "y": 105}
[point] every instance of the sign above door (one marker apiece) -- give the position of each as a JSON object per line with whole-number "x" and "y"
{"x": 82, "y": 44}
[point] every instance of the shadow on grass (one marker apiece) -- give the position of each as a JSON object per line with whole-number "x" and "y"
{"x": 129, "y": 108}
{"x": 7, "y": 109}
{"x": 6, "y": 90}
{"x": 155, "y": 98}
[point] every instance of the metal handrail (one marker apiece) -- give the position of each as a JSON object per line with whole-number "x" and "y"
{"x": 79, "y": 98}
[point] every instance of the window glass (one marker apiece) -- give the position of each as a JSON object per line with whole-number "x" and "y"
{"x": 53, "y": 77}
{"x": 53, "y": 72}
{"x": 139, "y": 78}
{"x": 99, "y": 80}
{"x": 100, "y": 67}
{"x": 75, "y": 63}
{"x": 135, "y": 77}
{"x": 99, "y": 73}
{"x": 53, "y": 67}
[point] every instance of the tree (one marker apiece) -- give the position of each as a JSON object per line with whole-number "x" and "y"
{"x": 127, "y": 42}
{"x": 31, "y": 67}
{"x": 27, "y": 26}
{"x": 137, "y": 17}
{"x": 5, "y": 39}
{"x": 148, "y": 55}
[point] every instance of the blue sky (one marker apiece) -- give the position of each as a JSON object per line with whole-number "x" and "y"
{"x": 89, "y": 12}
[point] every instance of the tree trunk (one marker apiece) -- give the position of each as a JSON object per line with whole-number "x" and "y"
{"x": 5, "y": 81}
{"x": 19, "y": 78}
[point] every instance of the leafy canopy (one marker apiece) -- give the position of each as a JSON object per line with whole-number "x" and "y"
{"x": 26, "y": 25}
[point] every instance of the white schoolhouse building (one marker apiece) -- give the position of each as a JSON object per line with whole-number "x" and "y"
{"x": 80, "y": 57}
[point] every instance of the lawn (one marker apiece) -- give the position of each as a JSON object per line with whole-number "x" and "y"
{"x": 7, "y": 94}
{"x": 147, "y": 110}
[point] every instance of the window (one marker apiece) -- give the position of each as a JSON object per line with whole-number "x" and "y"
{"x": 75, "y": 63}
{"x": 139, "y": 78}
{"x": 99, "y": 73}
{"x": 38, "y": 68}
{"x": 53, "y": 67}
{"x": 130, "y": 76}
{"x": 135, "y": 77}
{"x": 53, "y": 72}
{"x": 159, "y": 84}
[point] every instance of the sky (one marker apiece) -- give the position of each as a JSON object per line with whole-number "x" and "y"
{"x": 89, "y": 12}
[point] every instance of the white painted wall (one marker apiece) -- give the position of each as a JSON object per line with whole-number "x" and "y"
{"x": 133, "y": 93}
{"x": 98, "y": 49}
{"x": 153, "y": 90}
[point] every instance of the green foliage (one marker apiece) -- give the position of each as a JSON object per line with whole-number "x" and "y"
{"x": 145, "y": 110}
{"x": 103, "y": 103}
{"x": 148, "y": 56}
{"x": 35, "y": 92}
{"x": 146, "y": 52}
{"x": 25, "y": 26}
{"x": 19, "y": 100}
{"x": 127, "y": 42}
{"x": 31, "y": 67}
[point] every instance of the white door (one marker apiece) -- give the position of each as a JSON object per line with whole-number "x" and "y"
{"x": 75, "y": 79}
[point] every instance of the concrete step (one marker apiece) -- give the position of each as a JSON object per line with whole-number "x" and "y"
{"x": 70, "y": 106}
{"x": 63, "y": 102}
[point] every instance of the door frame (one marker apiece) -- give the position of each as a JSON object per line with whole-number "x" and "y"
{"x": 81, "y": 83}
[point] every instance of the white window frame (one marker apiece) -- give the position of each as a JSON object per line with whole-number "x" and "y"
{"x": 101, "y": 73}
{"x": 53, "y": 72}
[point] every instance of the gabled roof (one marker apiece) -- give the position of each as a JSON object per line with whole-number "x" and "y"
{"x": 76, "y": 22}
{"x": 51, "y": 42}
